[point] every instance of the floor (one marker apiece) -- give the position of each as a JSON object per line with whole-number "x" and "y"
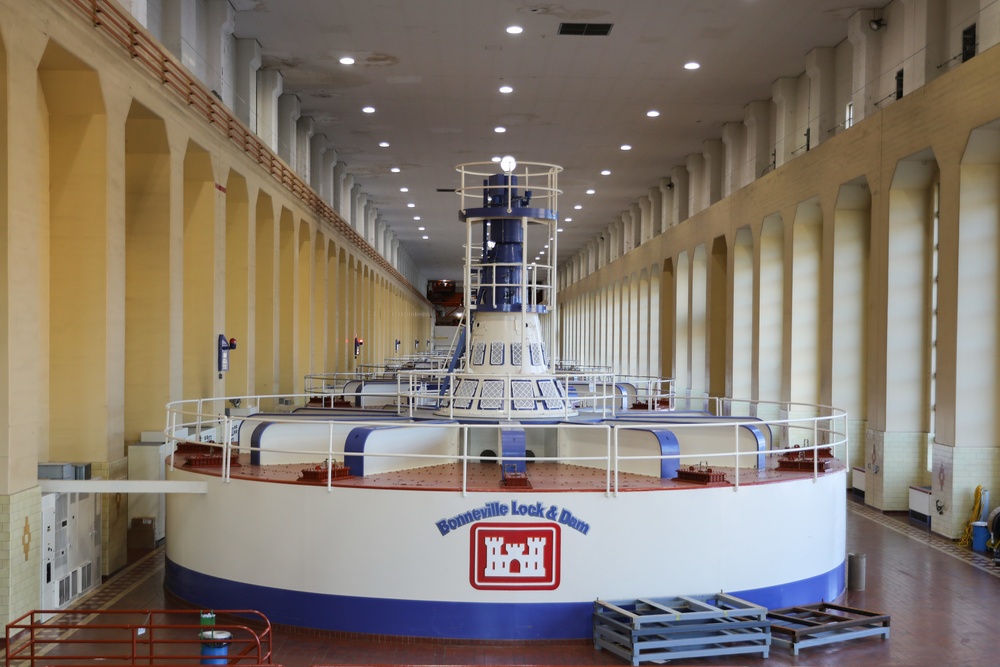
{"x": 943, "y": 600}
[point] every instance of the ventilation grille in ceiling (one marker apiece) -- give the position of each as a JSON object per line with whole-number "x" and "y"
{"x": 588, "y": 29}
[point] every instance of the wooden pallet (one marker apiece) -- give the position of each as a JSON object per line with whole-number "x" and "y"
{"x": 824, "y": 623}
{"x": 687, "y": 626}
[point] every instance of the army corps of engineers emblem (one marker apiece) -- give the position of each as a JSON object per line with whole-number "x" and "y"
{"x": 514, "y": 556}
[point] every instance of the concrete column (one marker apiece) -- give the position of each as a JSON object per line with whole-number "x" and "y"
{"x": 269, "y": 86}
{"x": 289, "y": 111}
{"x": 317, "y": 152}
{"x": 865, "y": 63}
{"x": 821, "y": 69}
{"x": 655, "y": 211}
{"x": 357, "y": 209}
{"x": 635, "y": 225}
{"x": 925, "y": 40}
{"x": 734, "y": 141}
{"x": 369, "y": 221}
{"x": 220, "y": 50}
{"x": 680, "y": 180}
{"x": 783, "y": 93}
{"x": 988, "y": 26}
{"x": 245, "y": 76}
{"x": 305, "y": 128}
{"x": 139, "y": 9}
{"x": 713, "y": 149}
{"x": 697, "y": 183}
{"x": 326, "y": 175}
{"x": 394, "y": 252}
{"x": 667, "y": 212}
{"x": 757, "y": 120}
{"x": 339, "y": 181}
{"x": 179, "y": 33}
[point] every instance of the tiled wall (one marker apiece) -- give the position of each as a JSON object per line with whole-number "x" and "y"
{"x": 20, "y": 553}
{"x": 957, "y": 473}
{"x": 894, "y": 461}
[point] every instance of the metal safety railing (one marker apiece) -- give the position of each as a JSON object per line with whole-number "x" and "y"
{"x": 788, "y": 428}
{"x": 160, "y": 638}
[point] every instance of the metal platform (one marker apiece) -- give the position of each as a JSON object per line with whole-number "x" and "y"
{"x": 824, "y": 623}
{"x": 647, "y": 630}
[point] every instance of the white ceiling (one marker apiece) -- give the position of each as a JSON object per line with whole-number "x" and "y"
{"x": 432, "y": 70}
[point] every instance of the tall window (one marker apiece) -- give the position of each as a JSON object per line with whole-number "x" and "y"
{"x": 969, "y": 43}
{"x": 849, "y": 115}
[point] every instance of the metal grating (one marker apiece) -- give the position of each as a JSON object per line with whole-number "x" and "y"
{"x": 586, "y": 29}
{"x": 479, "y": 354}
{"x": 515, "y": 354}
{"x": 521, "y": 390}
{"x": 551, "y": 394}
{"x": 464, "y": 394}
{"x": 496, "y": 353}
{"x": 492, "y": 395}
{"x": 536, "y": 355}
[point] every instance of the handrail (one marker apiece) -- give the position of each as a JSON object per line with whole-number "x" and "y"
{"x": 160, "y": 63}
{"x": 157, "y": 637}
{"x": 823, "y": 426}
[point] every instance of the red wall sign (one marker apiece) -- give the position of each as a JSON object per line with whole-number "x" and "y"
{"x": 514, "y": 556}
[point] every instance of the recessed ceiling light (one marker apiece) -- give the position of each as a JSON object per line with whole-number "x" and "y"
{"x": 404, "y": 189}
{"x": 495, "y": 158}
{"x": 691, "y": 65}
{"x": 559, "y": 229}
{"x": 347, "y": 60}
{"x": 416, "y": 217}
{"x": 383, "y": 144}
{"x": 515, "y": 29}
{"x": 578, "y": 207}
{"x": 394, "y": 170}
{"x": 411, "y": 205}
{"x": 626, "y": 147}
{"x": 420, "y": 229}
{"x": 605, "y": 172}
{"x": 499, "y": 129}
{"x": 369, "y": 109}
{"x": 546, "y": 245}
{"x": 425, "y": 237}
{"x": 567, "y": 219}
{"x": 541, "y": 252}
{"x": 652, "y": 113}
{"x": 506, "y": 89}
{"x": 591, "y": 191}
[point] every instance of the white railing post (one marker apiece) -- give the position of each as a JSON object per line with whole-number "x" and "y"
{"x": 736, "y": 472}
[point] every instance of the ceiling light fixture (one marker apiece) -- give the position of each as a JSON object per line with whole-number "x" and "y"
{"x": 420, "y": 229}
{"x": 425, "y": 237}
{"x": 559, "y": 229}
{"x": 567, "y": 219}
{"x": 506, "y": 89}
{"x": 495, "y": 158}
{"x": 514, "y": 30}
{"x": 626, "y": 147}
{"x": 369, "y": 109}
{"x": 404, "y": 189}
{"x": 605, "y": 172}
{"x": 499, "y": 129}
{"x": 652, "y": 113}
{"x": 394, "y": 170}
{"x": 591, "y": 191}
{"x": 347, "y": 60}
{"x": 508, "y": 163}
{"x": 411, "y": 205}
{"x": 692, "y": 65}
{"x": 578, "y": 207}
{"x": 876, "y": 24}
{"x": 383, "y": 144}
{"x": 416, "y": 217}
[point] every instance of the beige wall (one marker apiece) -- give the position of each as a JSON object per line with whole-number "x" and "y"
{"x": 134, "y": 234}
{"x": 848, "y": 291}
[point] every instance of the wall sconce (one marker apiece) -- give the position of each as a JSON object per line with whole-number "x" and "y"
{"x": 876, "y": 24}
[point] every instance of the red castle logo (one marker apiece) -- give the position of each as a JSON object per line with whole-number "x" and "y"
{"x": 514, "y": 556}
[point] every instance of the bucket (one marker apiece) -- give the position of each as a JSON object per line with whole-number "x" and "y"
{"x": 980, "y": 535}
{"x": 214, "y": 652}
{"x": 856, "y": 565}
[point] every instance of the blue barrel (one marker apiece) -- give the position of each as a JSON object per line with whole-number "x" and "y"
{"x": 214, "y": 652}
{"x": 980, "y": 535}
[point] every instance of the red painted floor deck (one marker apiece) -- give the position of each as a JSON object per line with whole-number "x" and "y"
{"x": 542, "y": 477}
{"x": 942, "y": 599}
